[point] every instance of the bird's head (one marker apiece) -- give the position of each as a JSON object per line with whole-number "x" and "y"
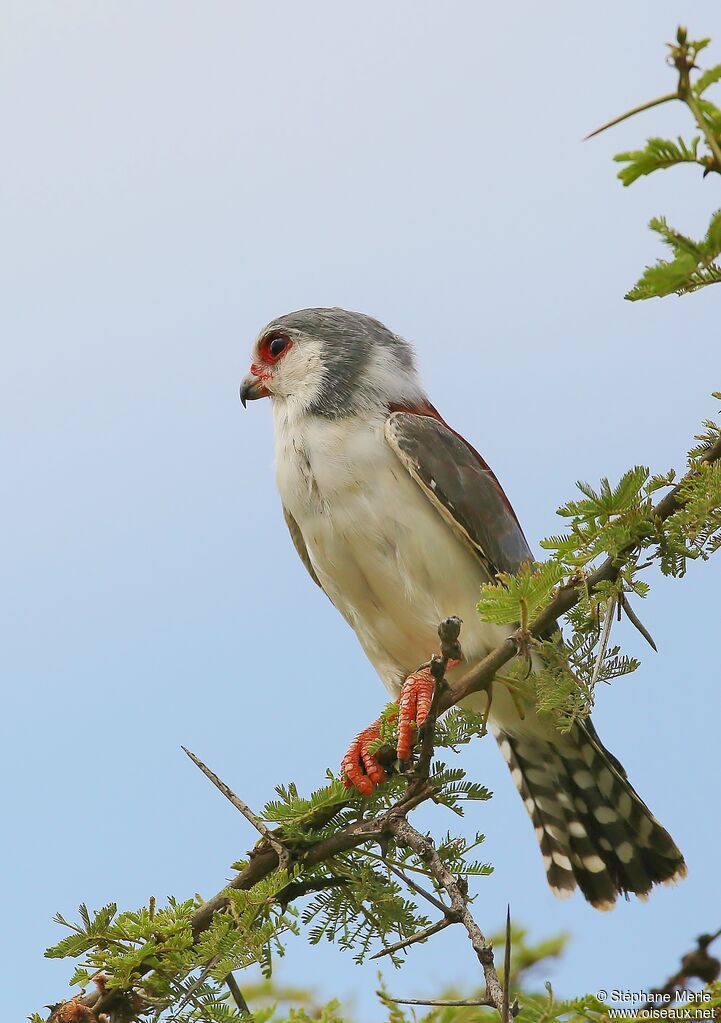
{"x": 333, "y": 363}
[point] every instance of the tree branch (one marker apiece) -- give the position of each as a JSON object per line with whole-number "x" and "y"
{"x": 448, "y": 633}
{"x": 423, "y": 935}
{"x": 258, "y": 824}
{"x": 237, "y": 994}
{"x": 633, "y": 618}
{"x": 439, "y": 1002}
{"x": 419, "y": 890}
{"x": 406, "y": 835}
{"x": 265, "y": 860}
{"x": 632, "y": 113}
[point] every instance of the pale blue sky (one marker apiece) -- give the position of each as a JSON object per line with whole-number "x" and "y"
{"x": 174, "y": 175}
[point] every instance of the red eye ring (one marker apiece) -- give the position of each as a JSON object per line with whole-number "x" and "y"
{"x": 274, "y": 346}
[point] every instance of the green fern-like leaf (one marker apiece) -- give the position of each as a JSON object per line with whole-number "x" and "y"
{"x": 601, "y": 505}
{"x": 453, "y": 788}
{"x": 516, "y": 598}
{"x": 694, "y": 531}
{"x": 458, "y": 727}
{"x": 292, "y": 811}
{"x": 659, "y": 154}
{"x": 693, "y": 266}
{"x": 707, "y": 78}
{"x": 711, "y": 115}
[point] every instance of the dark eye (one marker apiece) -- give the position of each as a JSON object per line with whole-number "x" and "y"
{"x": 277, "y": 345}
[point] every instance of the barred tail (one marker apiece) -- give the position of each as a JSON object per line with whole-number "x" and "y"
{"x": 593, "y": 828}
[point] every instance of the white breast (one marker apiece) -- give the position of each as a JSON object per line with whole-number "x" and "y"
{"x": 383, "y": 554}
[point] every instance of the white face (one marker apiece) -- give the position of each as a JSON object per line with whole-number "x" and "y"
{"x": 331, "y": 363}
{"x": 287, "y": 367}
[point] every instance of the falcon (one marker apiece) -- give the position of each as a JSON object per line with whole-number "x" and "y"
{"x": 399, "y": 520}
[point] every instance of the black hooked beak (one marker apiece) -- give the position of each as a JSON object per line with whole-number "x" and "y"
{"x": 252, "y": 387}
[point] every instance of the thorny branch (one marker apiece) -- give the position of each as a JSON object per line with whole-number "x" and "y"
{"x": 478, "y": 679}
{"x": 237, "y": 994}
{"x": 408, "y": 837}
{"x": 443, "y": 1003}
{"x": 239, "y": 804}
{"x": 414, "y": 939}
{"x": 682, "y": 57}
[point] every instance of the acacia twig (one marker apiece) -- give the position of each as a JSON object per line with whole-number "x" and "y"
{"x": 414, "y": 886}
{"x": 237, "y": 994}
{"x": 406, "y": 835}
{"x": 507, "y": 969}
{"x": 440, "y": 1002}
{"x": 297, "y": 889}
{"x": 636, "y": 621}
{"x": 423, "y": 935}
{"x": 258, "y": 824}
{"x": 605, "y": 636}
{"x": 632, "y": 113}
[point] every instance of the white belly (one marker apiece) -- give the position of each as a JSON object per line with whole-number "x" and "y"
{"x": 383, "y": 554}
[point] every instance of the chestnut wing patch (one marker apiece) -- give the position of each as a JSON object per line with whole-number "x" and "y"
{"x": 464, "y": 491}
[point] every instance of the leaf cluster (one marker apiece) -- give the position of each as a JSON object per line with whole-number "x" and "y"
{"x": 359, "y": 898}
{"x": 518, "y": 598}
{"x": 564, "y": 687}
{"x": 694, "y": 263}
{"x": 695, "y": 530}
{"x": 610, "y": 522}
{"x": 122, "y": 946}
{"x": 658, "y": 154}
{"x": 604, "y": 522}
{"x": 371, "y": 906}
{"x": 692, "y": 267}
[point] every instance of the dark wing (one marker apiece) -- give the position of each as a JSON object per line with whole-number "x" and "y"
{"x": 299, "y": 544}
{"x": 461, "y": 486}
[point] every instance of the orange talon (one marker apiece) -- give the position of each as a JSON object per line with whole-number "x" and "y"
{"x": 414, "y": 704}
{"x": 361, "y": 768}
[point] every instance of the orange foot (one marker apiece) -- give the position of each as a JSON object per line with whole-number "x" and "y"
{"x": 413, "y": 707}
{"x": 362, "y": 768}
{"x": 363, "y": 771}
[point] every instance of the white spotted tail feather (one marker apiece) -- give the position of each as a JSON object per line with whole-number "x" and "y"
{"x": 594, "y": 830}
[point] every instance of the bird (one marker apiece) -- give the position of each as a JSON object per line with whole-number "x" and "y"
{"x": 400, "y": 521}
